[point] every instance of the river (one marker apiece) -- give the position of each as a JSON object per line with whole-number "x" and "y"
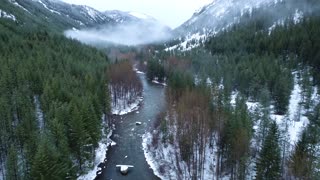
{"x": 128, "y": 135}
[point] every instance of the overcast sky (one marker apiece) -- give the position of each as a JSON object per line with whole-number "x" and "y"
{"x": 170, "y": 12}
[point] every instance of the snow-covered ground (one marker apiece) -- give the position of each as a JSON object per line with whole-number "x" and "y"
{"x": 139, "y": 15}
{"x": 165, "y": 159}
{"x": 122, "y": 107}
{"x": 227, "y": 11}
{"x": 39, "y": 113}
{"x": 6, "y": 15}
{"x": 94, "y": 14}
{"x": 100, "y": 152}
{"x": 18, "y": 5}
{"x": 290, "y": 125}
{"x": 297, "y": 17}
{"x": 45, "y": 6}
{"x": 192, "y": 41}
{"x": 296, "y": 116}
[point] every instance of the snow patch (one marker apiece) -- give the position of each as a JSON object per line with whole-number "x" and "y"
{"x": 296, "y": 118}
{"x": 6, "y": 15}
{"x": 119, "y": 109}
{"x": 298, "y": 15}
{"x": 113, "y": 143}
{"x": 100, "y": 153}
{"x": 139, "y": 15}
{"x": 92, "y": 13}
{"x": 165, "y": 159}
{"x": 39, "y": 113}
{"x": 156, "y": 162}
{"x": 18, "y": 5}
{"x": 192, "y": 41}
{"x": 45, "y": 6}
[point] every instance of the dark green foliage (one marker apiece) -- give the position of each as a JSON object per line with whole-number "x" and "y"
{"x": 47, "y": 163}
{"x": 12, "y": 165}
{"x": 155, "y": 70}
{"x": 255, "y": 59}
{"x": 269, "y": 161}
{"x": 70, "y": 81}
{"x": 304, "y": 160}
{"x": 238, "y": 133}
{"x": 35, "y": 16}
{"x": 301, "y": 160}
{"x": 179, "y": 82}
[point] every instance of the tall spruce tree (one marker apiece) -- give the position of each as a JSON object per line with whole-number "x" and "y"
{"x": 269, "y": 161}
{"x": 301, "y": 161}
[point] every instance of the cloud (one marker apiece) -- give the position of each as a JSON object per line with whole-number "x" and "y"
{"x": 124, "y": 34}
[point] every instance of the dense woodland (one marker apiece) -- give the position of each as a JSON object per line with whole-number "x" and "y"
{"x": 66, "y": 83}
{"x": 262, "y": 67}
{"x": 54, "y": 92}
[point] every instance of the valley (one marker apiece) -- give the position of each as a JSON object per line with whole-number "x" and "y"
{"x": 231, "y": 93}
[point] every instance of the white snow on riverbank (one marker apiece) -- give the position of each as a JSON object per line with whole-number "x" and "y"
{"x": 123, "y": 105}
{"x": 100, "y": 153}
{"x": 161, "y": 159}
{"x": 148, "y": 154}
{"x": 121, "y": 109}
{"x": 165, "y": 159}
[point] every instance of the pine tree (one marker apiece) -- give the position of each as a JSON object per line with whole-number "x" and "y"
{"x": 47, "y": 163}
{"x": 12, "y": 165}
{"x": 269, "y": 162}
{"x": 300, "y": 161}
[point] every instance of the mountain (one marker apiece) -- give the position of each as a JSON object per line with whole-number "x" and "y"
{"x": 222, "y": 14}
{"x": 127, "y": 17}
{"x": 60, "y": 16}
{"x": 85, "y": 23}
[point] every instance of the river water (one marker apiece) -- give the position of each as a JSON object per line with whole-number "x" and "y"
{"x": 127, "y": 135}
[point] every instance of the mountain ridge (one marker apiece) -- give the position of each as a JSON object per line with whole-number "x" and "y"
{"x": 223, "y": 14}
{"x": 68, "y": 16}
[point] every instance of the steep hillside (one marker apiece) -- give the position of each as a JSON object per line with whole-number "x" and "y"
{"x": 56, "y": 15}
{"x": 222, "y": 14}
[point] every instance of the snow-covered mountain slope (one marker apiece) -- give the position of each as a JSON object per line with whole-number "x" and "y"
{"x": 130, "y": 17}
{"x": 67, "y": 16}
{"x": 223, "y": 14}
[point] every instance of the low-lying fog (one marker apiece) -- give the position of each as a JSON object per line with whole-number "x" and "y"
{"x": 123, "y": 34}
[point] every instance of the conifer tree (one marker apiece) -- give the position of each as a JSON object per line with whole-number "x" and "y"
{"x": 12, "y": 165}
{"x": 269, "y": 162}
{"x": 300, "y": 161}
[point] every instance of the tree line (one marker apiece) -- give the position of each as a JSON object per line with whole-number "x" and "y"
{"x": 70, "y": 81}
